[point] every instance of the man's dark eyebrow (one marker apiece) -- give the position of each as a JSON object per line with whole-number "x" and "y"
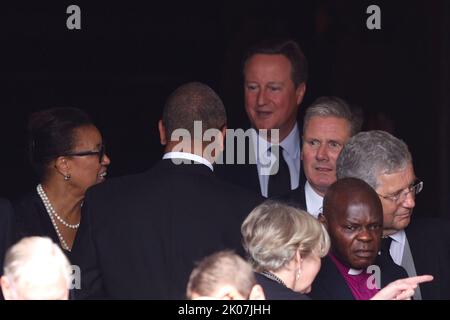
{"x": 347, "y": 221}
{"x": 276, "y": 82}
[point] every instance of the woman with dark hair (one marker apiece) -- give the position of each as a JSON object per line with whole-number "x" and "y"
{"x": 67, "y": 152}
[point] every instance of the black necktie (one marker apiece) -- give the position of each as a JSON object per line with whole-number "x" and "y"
{"x": 385, "y": 245}
{"x": 280, "y": 183}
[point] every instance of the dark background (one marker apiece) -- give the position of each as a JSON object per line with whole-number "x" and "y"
{"x": 128, "y": 57}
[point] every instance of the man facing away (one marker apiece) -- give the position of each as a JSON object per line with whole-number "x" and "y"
{"x": 140, "y": 235}
{"x": 223, "y": 275}
{"x": 36, "y": 269}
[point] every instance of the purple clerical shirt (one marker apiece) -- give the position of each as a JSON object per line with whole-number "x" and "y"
{"x": 358, "y": 283}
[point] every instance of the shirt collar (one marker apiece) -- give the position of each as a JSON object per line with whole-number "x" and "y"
{"x": 354, "y": 272}
{"x": 399, "y": 236}
{"x": 188, "y": 156}
{"x": 314, "y": 201}
{"x": 291, "y": 144}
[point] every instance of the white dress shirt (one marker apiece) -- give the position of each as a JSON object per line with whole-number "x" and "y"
{"x": 397, "y": 246}
{"x": 291, "y": 154}
{"x": 314, "y": 201}
{"x": 176, "y": 156}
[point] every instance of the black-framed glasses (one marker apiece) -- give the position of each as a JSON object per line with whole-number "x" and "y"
{"x": 400, "y": 196}
{"x": 100, "y": 153}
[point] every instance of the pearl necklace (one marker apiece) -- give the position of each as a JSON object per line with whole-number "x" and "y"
{"x": 52, "y": 213}
{"x": 51, "y": 210}
{"x": 273, "y": 277}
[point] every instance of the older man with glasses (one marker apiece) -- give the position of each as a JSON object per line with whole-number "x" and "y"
{"x": 421, "y": 246}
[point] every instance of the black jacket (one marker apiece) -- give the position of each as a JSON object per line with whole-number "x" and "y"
{"x": 331, "y": 285}
{"x": 140, "y": 235}
{"x": 429, "y": 240}
{"x": 32, "y": 219}
{"x": 275, "y": 291}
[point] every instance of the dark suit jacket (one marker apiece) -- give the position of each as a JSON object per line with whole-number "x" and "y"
{"x": 331, "y": 285}
{"x": 275, "y": 291}
{"x": 140, "y": 235}
{"x": 32, "y": 219}
{"x": 429, "y": 240}
{"x": 295, "y": 198}
{"x": 6, "y": 229}
{"x": 246, "y": 175}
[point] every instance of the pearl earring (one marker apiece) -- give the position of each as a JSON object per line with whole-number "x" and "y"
{"x": 66, "y": 177}
{"x": 299, "y": 271}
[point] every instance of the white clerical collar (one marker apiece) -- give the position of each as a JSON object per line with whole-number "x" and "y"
{"x": 188, "y": 156}
{"x": 354, "y": 272}
{"x": 399, "y": 236}
{"x": 314, "y": 201}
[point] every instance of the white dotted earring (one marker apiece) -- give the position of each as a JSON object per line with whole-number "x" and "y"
{"x": 66, "y": 177}
{"x": 299, "y": 271}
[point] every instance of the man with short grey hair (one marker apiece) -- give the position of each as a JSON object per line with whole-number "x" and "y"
{"x": 327, "y": 126}
{"x": 36, "y": 269}
{"x": 385, "y": 163}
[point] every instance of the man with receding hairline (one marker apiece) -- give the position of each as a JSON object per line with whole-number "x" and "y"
{"x": 36, "y": 269}
{"x": 353, "y": 216}
{"x": 327, "y": 126}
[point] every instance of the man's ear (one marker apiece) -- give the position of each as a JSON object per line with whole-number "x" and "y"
{"x": 257, "y": 293}
{"x": 300, "y": 92}
{"x": 162, "y": 133}
{"x": 228, "y": 292}
{"x": 223, "y": 132}
{"x": 6, "y": 288}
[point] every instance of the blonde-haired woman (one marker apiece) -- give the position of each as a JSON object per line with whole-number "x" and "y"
{"x": 285, "y": 246}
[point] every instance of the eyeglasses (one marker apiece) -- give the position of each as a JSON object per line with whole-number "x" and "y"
{"x": 401, "y": 195}
{"x": 100, "y": 153}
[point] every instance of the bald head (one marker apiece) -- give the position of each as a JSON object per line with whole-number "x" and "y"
{"x": 353, "y": 215}
{"x": 193, "y": 101}
{"x": 347, "y": 191}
